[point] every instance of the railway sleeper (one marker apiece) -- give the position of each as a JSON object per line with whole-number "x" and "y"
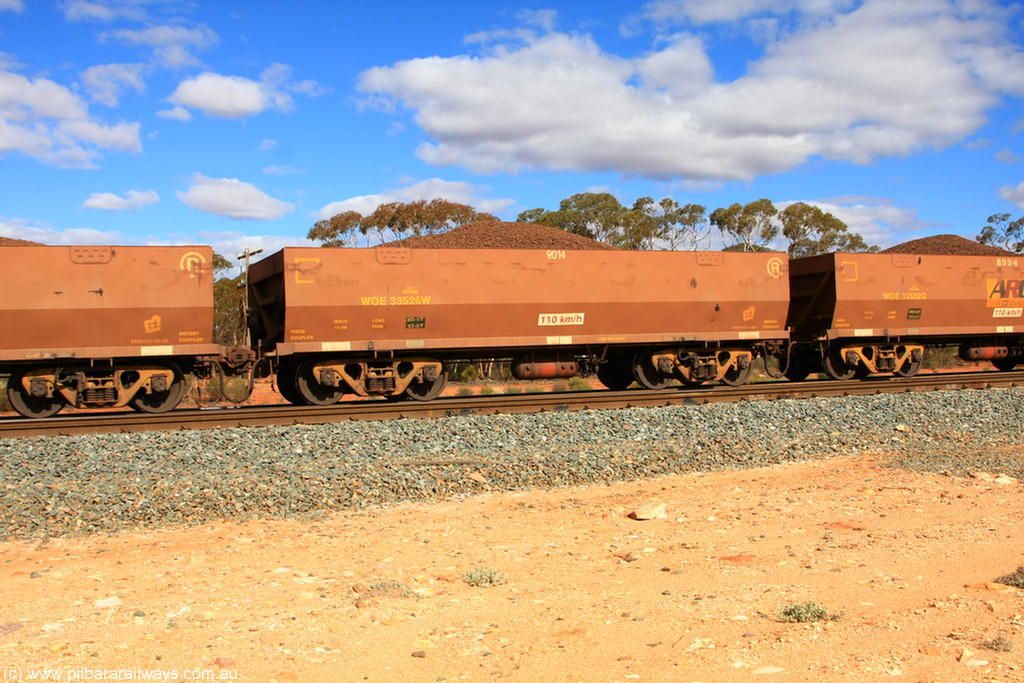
{"x": 730, "y": 366}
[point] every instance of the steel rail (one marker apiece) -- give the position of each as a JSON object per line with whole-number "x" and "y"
{"x": 254, "y": 416}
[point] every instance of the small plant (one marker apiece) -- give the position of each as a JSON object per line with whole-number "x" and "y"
{"x": 533, "y": 389}
{"x": 513, "y": 390}
{"x": 4, "y": 406}
{"x": 806, "y": 612}
{"x": 484, "y": 576}
{"x": 469, "y": 374}
{"x": 1015, "y": 579}
{"x": 998, "y": 644}
{"x": 386, "y": 589}
{"x": 486, "y": 390}
{"x": 579, "y": 384}
{"x": 560, "y": 385}
{"x": 464, "y": 391}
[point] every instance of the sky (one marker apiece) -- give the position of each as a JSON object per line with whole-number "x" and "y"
{"x": 241, "y": 124}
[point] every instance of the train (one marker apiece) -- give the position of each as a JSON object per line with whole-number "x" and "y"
{"x": 125, "y": 326}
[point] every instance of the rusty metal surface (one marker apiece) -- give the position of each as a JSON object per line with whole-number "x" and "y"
{"x": 253, "y": 416}
{"x": 104, "y": 302}
{"x": 905, "y": 295}
{"x": 341, "y": 300}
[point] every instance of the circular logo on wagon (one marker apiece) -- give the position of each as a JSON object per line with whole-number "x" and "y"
{"x": 191, "y": 261}
{"x": 775, "y": 267}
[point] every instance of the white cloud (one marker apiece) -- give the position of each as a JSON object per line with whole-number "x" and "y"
{"x": 282, "y": 170}
{"x": 228, "y": 97}
{"x": 108, "y": 201}
{"x": 12, "y": 6}
{"x": 232, "y": 198}
{"x": 715, "y": 11}
{"x": 267, "y": 145}
{"x": 432, "y": 188}
{"x": 884, "y": 79}
{"x": 876, "y": 219}
{"x": 1007, "y": 156}
{"x": 46, "y": 121}
{"x": 45, "y": 234}
{"x": 173, "y": 46}
{"x": 175, "y": 114}
{"x": 106, "y": 81}
{"x": 230, "y": 244}
{"x": 1013, "y": 194}
{"x": 106, "y": 10}
{"x": 232, "y": 97}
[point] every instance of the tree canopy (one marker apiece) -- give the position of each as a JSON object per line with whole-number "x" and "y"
{"x": 812, "y": 231}
{"x": 394, "y": 221}
{"x": 645, "y": 225}
{"x": 750, "y": 227}
{"x": 1002, "y": 232}
{"x": 228, "y": 304}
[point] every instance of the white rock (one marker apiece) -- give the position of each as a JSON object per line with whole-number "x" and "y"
{"x": 112, "y": 601}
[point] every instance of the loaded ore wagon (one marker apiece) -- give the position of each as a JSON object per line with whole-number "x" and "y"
{"x": 857, "y": 314}
{"x": 103, "y": 326}
{"x": 387, "y": 320}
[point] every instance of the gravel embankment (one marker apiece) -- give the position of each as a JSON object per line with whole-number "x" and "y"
{"x": 103, "y": 483}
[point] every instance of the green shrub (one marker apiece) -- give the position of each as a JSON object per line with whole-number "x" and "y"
{"x": 464, "y": 391}
{"x": 998, "y": 644}
{"x": 560, "y": 385}
{"x": 468, "y": 373}
{"x": 1015, "y": 579}
{"x": 513, "y": 390}
{"x": 4, "y": 405}
{"x": 579, "y": 384}
{"x": 484, "y": 576}
{"x": 487, "y": 390}
{"x": 807, "y": 611}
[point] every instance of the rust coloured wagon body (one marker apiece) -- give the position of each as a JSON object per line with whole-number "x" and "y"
{"x": 873, "y": 313}
{"x": 103, "y": 326}
{"x": 386, "y": 320}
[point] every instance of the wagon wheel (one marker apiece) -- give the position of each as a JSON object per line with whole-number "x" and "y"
{"x": 311, "y": 391}
{"x": 909, "y": 368}
{"x": 1005, "y": 364}
{"x": 427, "y": 389}
{"x": 27, "y": 405}
{"x": 797, "y": 369}
{"x": 285, "y": 380}
{"x": 737, "y": 376}
{"x": 615, "y": 373}
{"x": 161, "y": 401}
{"x": 646, "y": 374}
{"x": 836, "y": 367}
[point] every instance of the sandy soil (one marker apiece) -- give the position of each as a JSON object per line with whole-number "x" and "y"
{"x": 590, "y": 594}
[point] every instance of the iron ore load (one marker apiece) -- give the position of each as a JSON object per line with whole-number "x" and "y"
{"x": 385, "y": 321}
{"x": 125, "y": 326}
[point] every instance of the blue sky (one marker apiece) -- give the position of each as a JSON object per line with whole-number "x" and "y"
{"x": 241, "y": 124}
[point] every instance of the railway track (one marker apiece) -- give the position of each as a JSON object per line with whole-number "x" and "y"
{"x": 254, "y": 416}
